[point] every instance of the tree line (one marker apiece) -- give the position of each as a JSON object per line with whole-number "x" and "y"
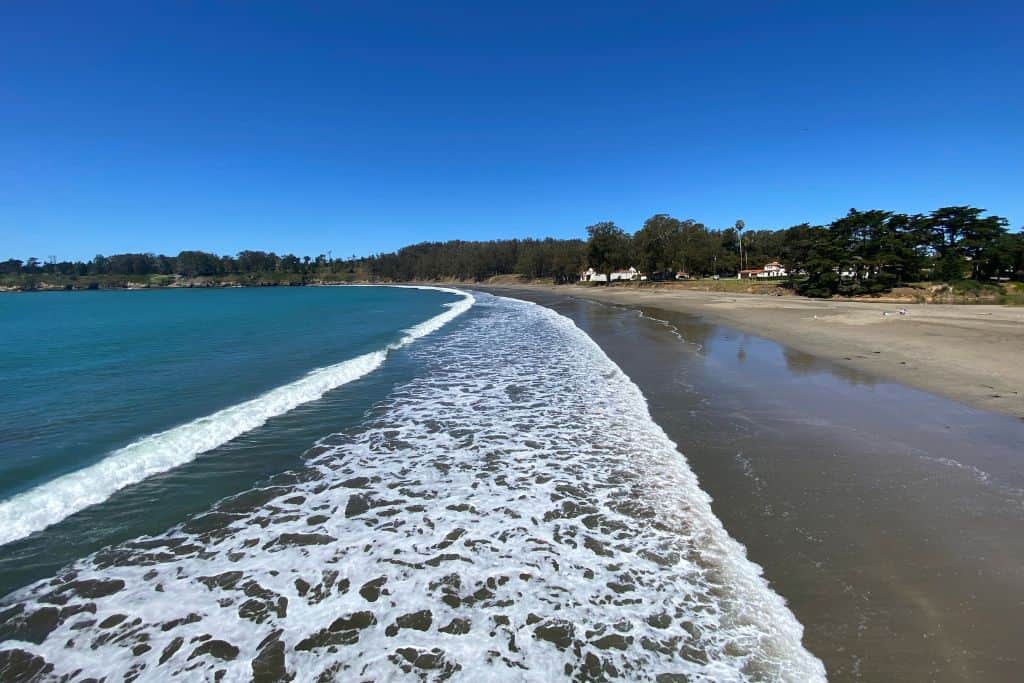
{"x": 186, "y": 264}
{"x": 558, "y": 260}
{"x": 861, "y": 252}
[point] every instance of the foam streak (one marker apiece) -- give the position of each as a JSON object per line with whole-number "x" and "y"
{"x": 56, "y": 500}
{"x": 510, "y": 513}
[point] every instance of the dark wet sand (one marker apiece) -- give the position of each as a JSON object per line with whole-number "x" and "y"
{"x": 969, "y": 354}
{"x": 891, "y": 520}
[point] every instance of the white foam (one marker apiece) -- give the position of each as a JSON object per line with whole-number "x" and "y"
{"x": 426, "y": 327}
{"x": 517, "y": 484}
{"x": 49, "y": 503}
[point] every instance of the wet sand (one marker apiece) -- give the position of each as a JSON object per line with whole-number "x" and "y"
{"x": 891, "y": 520}
{"x": 967, "y": 353}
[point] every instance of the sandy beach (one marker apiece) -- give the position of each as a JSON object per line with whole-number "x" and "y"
{"x": 968, "y": 353}
{"x": 890, "y": 519}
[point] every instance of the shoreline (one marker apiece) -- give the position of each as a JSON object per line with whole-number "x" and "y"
{"x": 889, "y": 519}
{"x": 964, "y": 352}
{"x": 967, "y": 353}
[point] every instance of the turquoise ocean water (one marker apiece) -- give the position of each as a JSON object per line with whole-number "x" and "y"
{"x": 87, "y": 374}
{"x": 353, "y": 484}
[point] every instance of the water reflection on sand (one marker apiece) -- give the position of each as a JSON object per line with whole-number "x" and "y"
{"x": 890, "y": 519}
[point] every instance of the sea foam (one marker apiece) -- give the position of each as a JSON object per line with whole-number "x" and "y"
{"x": 59, "y": 498}
{"x": 512, "y": 513}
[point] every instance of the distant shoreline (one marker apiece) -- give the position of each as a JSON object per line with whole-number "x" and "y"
{"x": 921, "y": 293}
{"x": 205, "y": 284}
{"x": 970, "y": 354}
{"x": 967, "y": 353}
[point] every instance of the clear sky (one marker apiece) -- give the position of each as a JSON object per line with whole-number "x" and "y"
{"x": 357, "y": 128}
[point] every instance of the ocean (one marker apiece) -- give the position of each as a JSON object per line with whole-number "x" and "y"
{"x": 354, "y": 483}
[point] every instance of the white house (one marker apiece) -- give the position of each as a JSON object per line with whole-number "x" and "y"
{"x": 591, "y": 275}
{"x": 766, "y": 272}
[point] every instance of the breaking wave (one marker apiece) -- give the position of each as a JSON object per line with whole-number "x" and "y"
{"x": 55, "y": 500}
{"x": 512, "y": 513}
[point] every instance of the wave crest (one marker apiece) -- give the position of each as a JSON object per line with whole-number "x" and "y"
{"x": 511, "y": 513}
{"x": 49, "y": 503}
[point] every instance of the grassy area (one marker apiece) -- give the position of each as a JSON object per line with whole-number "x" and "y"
{"x": 724, "y": 285}
{"x": 730, "y": 285}
{"x": 964, "y": 292}
{"x": 1013, "y": 294}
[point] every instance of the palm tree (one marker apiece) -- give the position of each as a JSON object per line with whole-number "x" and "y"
{"x": 739, "y": 232}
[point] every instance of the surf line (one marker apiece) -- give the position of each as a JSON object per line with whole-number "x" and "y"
{"x": 49, "y": 503}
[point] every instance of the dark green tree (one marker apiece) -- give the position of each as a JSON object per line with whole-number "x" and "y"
{"x": 656, "y": 245}
{"x": 197, "y": 263}
{"x": 963, "y": 241}
{"x": 607, "y": 248}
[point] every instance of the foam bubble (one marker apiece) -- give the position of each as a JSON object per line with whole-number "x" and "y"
{"x": 59, "y": 498}
{"x": 511, "y": 513}
{"x": 434, "y": 324}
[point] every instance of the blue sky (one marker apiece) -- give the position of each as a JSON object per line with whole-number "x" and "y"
{"x": 308, "y": 127}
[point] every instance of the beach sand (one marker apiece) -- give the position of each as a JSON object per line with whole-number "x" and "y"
{"x": 968, "y": 353}
{"x": 890, "y": 519}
